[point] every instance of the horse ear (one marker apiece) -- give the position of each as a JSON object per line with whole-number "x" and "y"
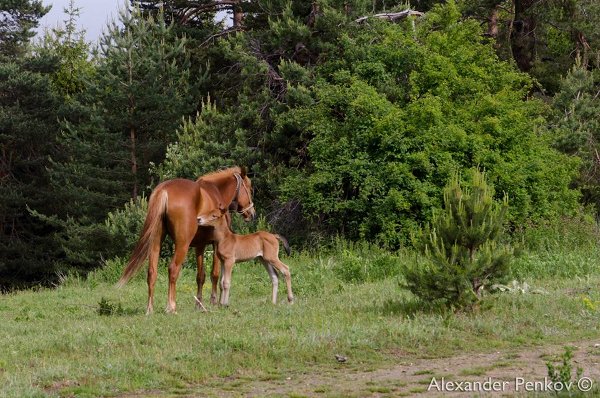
{"x": 222, "y": 208}
{"x": 243, "y": 171}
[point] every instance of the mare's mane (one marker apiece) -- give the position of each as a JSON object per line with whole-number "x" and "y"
{"x": 217, "y": 175}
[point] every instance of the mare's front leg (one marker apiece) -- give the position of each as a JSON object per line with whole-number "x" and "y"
{"x": 200, "y": 273}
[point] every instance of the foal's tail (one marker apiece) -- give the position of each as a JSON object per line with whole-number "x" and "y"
{"x": 157, "y": 207}
{"x": 286, "y": 245}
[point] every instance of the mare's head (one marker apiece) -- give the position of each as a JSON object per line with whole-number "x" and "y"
{"x": 243, "y": 201}
{"x": 236, "y": 189}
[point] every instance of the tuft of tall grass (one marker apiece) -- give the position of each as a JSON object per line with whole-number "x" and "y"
{"x": 575, "y": 232}
{"x": 565, "y": 248}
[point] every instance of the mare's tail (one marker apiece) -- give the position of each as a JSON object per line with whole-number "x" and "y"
{"x": 157, "y": 207}
{"x": 286, "y": 245}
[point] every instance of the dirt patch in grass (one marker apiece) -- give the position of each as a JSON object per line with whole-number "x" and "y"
{"x": 409, "y": 376}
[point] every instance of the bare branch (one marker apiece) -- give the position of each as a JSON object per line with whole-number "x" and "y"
{"x": 200, "y": 304}
{"x": 391, "y": 16}
{"x": 225, "y": 32}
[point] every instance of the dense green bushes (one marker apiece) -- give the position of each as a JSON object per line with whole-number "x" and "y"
{"x": 397, "y": 111}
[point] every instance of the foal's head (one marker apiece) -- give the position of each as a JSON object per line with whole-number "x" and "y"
{"x": 211, "y": 203}
{"x": 212, "y": 218}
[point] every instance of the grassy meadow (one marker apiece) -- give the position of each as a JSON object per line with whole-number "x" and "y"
{"x": 88, "y": 338}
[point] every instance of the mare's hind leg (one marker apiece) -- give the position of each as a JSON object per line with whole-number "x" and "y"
{"x": 200, "y": 274}
{"x": 274, "y": 279}
{"x": 153, "y": 272}
{"x": 285, "y": 270}
{"x": 214, "y": 275}
{"x": 174, "y": 268}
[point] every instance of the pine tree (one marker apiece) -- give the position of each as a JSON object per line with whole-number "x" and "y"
{"x": 68, "y": 45}
{"x": 144, "y": 84}
{"x": 29, "y": 110}
{"x": 576, "y": 126}
{"x": 129, "y": 112}
{"x": 18, "y": 19}
{"x": 126, "y": 115}
{"x": 462, "y": 247}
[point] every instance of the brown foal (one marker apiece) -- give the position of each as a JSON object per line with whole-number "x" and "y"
{"x": 233, "y": 248}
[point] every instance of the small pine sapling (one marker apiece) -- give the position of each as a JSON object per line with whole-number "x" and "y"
{"x": 461, "y": 248}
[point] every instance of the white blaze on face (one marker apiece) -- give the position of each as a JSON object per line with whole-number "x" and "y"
{"x": 205, "y": 219}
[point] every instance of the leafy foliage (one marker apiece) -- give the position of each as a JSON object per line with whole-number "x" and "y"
{"x": 204, "y": 144}
{"x": 543, "y": 38}
{"x": 563, "y": 372}
{"x": 69, "y": 47}
{"x": 398, "y": 111}
{"x": 106, "y": 308}
{"x": 349, "y": 129}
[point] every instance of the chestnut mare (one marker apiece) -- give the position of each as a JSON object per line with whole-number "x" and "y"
{"x": 232, "y": 248}
{"x": 172, "y": 209}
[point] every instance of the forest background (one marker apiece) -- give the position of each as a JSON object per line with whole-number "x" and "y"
{"x": 350, "y": 126}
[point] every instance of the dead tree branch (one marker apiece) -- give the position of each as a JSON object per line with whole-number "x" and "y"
{"x": 391, "y": 16}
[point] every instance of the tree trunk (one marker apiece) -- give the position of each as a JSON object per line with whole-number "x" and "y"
{"x": 314, "y": 12}
{"x": 583, "y": 49}
{"x": 522, "y": 35}
{"x": 238, "y": 15}
{"x": 132, "y": 137}
{"x": 493, "y": 22}
{"x": 132, "y": 131}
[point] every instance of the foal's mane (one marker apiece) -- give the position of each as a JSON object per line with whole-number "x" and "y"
{"x": 219, "y": 174}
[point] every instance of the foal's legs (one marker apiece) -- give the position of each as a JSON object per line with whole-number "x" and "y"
{"x": 201, "y": 274}
{"x": 274, "y": 279}
{"x": 285, "y": 270}
{"x": 214, "y": 275}
{"x": 226, "y": 269}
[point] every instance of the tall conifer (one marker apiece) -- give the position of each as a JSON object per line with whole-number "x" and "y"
{"x": 127, "y": 113}
{"x": 29, "y": 110}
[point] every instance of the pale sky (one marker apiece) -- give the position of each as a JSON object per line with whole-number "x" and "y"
{"x": 93, "y": 17}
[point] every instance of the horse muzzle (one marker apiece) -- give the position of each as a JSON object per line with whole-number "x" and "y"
{"x": 202, "y": 221}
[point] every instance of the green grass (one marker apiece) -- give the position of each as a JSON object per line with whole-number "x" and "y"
{"x": 54, "y": 342}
